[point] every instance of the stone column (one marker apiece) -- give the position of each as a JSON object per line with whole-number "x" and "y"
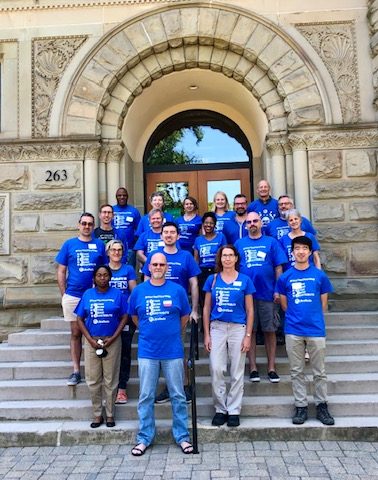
{"x": 115, "y": 153}
{"x": 289, "y": 168}
{"x": 277, "y": 173}
{"x": 102, "y": 194}
{"x": 91, "y": 158}
{"x": 301, "y": 180}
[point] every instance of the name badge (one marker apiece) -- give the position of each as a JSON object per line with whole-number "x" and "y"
{"x": 237, "y": 283}
{"x": 161, "y": 243}
{"x": 92, "y": 246}
{"x": 261, "y": 255}
{"x": 129, "y": 219}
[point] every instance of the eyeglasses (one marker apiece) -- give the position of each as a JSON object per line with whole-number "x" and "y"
{"x": 107, "y": 212}
{"x": 115, "y": 250}
{"x": 241, "y": 204}
{"x": 87, "y": 224}
{"x": 228, "y": 255}
{"x": 256, "y": 220}
{"x": 158, "y": 264}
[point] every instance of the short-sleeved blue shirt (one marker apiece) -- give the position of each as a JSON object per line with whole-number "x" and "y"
{"x": 268, "y": 211}
{"x": 222, "y": 219}
{"x": 279, "y": 227}
{"x": 126, "y": 220}
{"x": 207, "y": 249}
{"x": 149, "y": 242}
{"x": 121, "y": 277}
{"x": 81, "y": 258}
{"x": 144, "y": 224}
{"x": 228, "y": 299}
{"x": 285, "y": 241}
{"x": 189, "y": 230}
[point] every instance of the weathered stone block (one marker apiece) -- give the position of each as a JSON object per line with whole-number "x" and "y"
{"x": 13, "y": 177}
{"x": 364, "y": 259}
{"x": 284, "y": 66}
{"x": 26, "y": 223}
{"x": 39, "y": 242}
{"x": 155, "y": 30}
{"x": 303, "y": 99}
{"x": 264, "y": 85}
{"x": 81, "y": 108}
{"x": 43, "y": 269}
{"x": 60, "y": 221}
{"x": 47, "y": 201}
{"x": 360, "y": 163}
{"x": 328, "y": 212}
{"x": 13, "y": 271}
{"x": 81, "y": 126}
{"x": 334, "y": 260}
{"x": 225, "y": 26}
{"x": 272, "y": 52}
{"x": 241, "y": 33}
{"x": 136, "y": 33}
{"x": 53, "y": 176}
{"x": 306, "y": 116}
{"x": 344, "y": 189}
{"x": 295, "y": 81}
{"x": 364, "y": 210}
{"x": 207, "y": 22}
{"x": 89, "y": 87}
{"x": 260, "y": 38}
{"x": 172, "y": 24}
{"x": 348, "y": 233}
{"x": 326, "y": 164}
{"x": 204, "y": 56}
{"x": 278, "y": 124}
{"x": 189, "y": 23}
{"x": 31, "y": 296}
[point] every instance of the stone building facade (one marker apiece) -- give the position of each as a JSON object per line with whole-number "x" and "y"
{"x": 84, "y": 85}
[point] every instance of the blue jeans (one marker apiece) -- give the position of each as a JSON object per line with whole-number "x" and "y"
{"x": 173, "y": 372}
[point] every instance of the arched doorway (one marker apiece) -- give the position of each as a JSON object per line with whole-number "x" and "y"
{"x": 199, "y": 180}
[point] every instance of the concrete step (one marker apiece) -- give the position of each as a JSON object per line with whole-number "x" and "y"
{"x": 11, "y": 353}
{"x": 55, "y": 323}
{"x": 39, "y": 337}
{"x": 351, "y": 318}
{"x": 352, "y": 332}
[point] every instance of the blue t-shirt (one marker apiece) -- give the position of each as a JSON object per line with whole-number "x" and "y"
{"x": 258, "y": 259}
{"x": 222, "y": 219}
{"x": 285, "y": 241}
{"x": 228, "y": 299}
{"x": 120, "y": 278}
{"x": 268, "y": 211}
{"x": 279, "y": 227}
{"x": 81, "y": 258}
{"x": 234, "y": 230}
{"x": 126, "y": 220}
{"x": 144, "y": 224}
{"x": 303, "y": 288}
{"x": 159, "y": 310}
{"x": 189, "y": 230}
{"x": 207, "y": 249}
{"x": 102, "y": 311}
{"x": 181, "y": 267}
{"x": 149, "y": 241}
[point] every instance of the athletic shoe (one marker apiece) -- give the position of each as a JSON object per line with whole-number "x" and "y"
{"x": 74, "y": 379}
{"x": 163, "y": 397}
{"x": 323, "y": 414}
{"x": 122, "y": 397}
{"x": 254, "y": 376}
{"x": 219, "y": 419}
{"x": 300, "y": 415}
{"x": 233, "y": 421}
{"x": 273, "y": 376}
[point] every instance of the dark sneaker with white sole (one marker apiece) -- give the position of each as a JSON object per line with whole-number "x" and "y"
{"x": 273, "y": 376}
{"x": 300, "y": 416}
{"x": 219, "y": 419}
{"x": 323, "y": 414}
{"x": 254, "y": 376}
{"x": 74, "y": 379}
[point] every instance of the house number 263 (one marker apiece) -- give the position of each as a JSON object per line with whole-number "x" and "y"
{"x": 56, "y": 175}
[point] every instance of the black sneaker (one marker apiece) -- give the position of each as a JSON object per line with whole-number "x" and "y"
{"x": 233, "y": 421}
{"x": 254, "y": 376}
{"x": 273, "y": 376}
{"x": 188, "y": 393}
{"x": 74, "y": 379}
{"x": 323, "y": 414}
{"x": 300, "y": 415}
{"x": 219, "y": 419}
{"x": 163, "y": 397}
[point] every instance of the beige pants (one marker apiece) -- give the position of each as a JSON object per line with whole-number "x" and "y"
{"x": 101, "y": 375}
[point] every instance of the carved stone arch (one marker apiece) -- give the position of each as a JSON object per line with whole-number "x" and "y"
{"x": 233, "y": 42}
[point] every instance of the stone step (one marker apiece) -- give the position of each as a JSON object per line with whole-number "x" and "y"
{"x": 253, "y": 406}
{"x": 352, "y": 332}
{"x": 65, "y": 433}
{"x": 11, "y": 353}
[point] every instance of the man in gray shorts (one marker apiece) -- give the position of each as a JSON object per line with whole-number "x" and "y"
{"x": 76, "y": 261}
{"x": 261, "y": 257}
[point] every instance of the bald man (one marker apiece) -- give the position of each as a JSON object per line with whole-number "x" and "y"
{"x": 265, "y": 205}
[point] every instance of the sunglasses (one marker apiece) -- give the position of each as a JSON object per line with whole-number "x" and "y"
{"x": 158, "y": 264}
{"x": 87, "y": 224}
{"x": 252, "y": 221}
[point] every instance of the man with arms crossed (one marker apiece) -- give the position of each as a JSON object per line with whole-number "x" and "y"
{"x": 303, "y": 293}
{"x": 78, "y": 257}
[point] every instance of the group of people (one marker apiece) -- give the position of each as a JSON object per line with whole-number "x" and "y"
{"x": 256, "y": 267}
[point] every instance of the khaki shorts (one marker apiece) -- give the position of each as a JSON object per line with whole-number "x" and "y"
{"x": 69, "y": 303}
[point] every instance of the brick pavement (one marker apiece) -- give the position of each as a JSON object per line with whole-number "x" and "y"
{"x": 318, "y": 460}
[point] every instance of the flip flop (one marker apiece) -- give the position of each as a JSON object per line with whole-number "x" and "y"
{"x": 138, "y": 452}
{"x": 188, "y": 449}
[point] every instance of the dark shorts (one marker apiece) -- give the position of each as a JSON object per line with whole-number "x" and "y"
{"x": 265, "y": 316}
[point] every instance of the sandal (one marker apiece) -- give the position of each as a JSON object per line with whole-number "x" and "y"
{"x": 186, "y": 448}
{"x": 137, "y": 451}
{"x": 98, "y": 423}
{"x": 110, "y": 422}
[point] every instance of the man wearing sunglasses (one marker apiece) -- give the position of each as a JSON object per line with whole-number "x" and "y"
{"x": 76, "y": 261}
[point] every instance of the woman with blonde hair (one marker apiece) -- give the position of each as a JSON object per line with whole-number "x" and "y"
{"x": 221, "y": 208}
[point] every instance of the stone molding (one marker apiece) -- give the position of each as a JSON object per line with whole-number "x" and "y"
{"x": 4, "y": 224}
{"x": 373, "y": 20}
{"x": 335, "y": 42}
{"x": 236, "y": 43}
{"x": 28, "y": 152}
{"x": 276, "y": 145}
{"x": 50, "y": 58}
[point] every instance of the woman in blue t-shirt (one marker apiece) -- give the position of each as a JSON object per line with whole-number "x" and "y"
{"x": 221, "y": 208}
{"x": 189, "y": 224}
{"x": 124, "y": 278}
{"x": 101, "y": 316}
{"x": 206, "y": 247}
{"x": 228, "y": 322}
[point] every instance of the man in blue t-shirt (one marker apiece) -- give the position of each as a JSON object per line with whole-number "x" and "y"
{"x": 261, "y": 258}
{"x": 76, "y": 261}
{"x": 126, "y": 221}
{"x": 161, "y": 310}
{"x": 303, "y": 293}
{"x": 266, "y": 206}
{"x": 236, "y": 228}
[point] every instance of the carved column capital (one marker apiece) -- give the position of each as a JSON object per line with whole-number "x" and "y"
{"x": 297, "y": 141}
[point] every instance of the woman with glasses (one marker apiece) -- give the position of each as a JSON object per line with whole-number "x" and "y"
{"x": 189, "y": 224}
{"x": 123, "y": 278}
{"x": 101, "y": 317}
{"x": 228, "y": 322}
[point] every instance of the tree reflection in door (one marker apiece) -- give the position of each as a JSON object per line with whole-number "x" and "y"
{"x": 174, "y": 195}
